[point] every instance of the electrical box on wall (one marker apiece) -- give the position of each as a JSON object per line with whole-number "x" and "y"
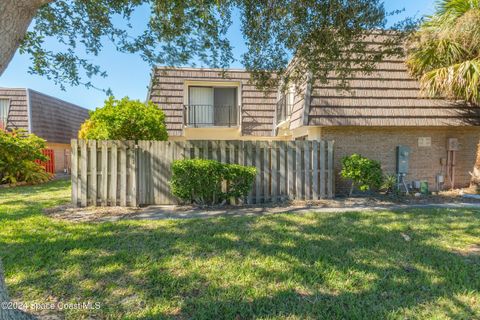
{"x": 403, "y": 155}
{"x": 425, "y": 142}
{"x": 452, "y": 144}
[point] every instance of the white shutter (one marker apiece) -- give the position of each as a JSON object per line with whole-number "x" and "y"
{"x": 201, "y": 106}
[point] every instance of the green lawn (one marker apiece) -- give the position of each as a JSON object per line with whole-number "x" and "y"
{"x": 288, "y": 266}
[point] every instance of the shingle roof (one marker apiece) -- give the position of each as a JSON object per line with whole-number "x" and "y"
{"x": 387, "y": 97}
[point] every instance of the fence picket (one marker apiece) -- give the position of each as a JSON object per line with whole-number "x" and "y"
{"x": 258, "y": 180}
{"x": 322, "y": 170}
{"x": 283, "y": 170}
{"x": 113, "y": 174}
{"x": 104, "y": 177}
{"x": 308, "y": 173}
{"x": 274, "y": 171}
{"x": 291, "y": 169}
{"x": 298, "y": 171}
{"x": 123, "y": 173}
{"x": 74, "y": 173}
{"x": 249, "y": 161}
{"x": 83, "y": 173}
{"x": 92, "y": 181}
{"x": 330, "y": 170}
{"x": 315, "y": 170}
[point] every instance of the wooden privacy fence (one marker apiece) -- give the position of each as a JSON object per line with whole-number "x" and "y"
{"x": 111, "y": 173}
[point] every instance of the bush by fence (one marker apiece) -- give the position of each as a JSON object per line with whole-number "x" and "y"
{"x": 203, "y": 181}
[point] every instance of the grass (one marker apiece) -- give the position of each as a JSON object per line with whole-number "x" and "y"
{"x": 288, "y": 266}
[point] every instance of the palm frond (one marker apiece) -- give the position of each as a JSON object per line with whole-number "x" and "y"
{"x": 448, "y": 11}
{"x": 434, "y": 53}
{"x": 458, "y": 81}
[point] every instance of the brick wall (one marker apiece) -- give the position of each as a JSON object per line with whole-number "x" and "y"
{"x": 379, "y": 143}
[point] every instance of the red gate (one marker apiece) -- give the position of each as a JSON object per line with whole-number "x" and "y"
{"x": 49, "y": 165}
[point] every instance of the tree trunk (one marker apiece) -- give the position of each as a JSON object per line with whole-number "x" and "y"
{"x": 475, "y": 181}
{"x": 15, "y": 17}
{"x": 6, "y": 310}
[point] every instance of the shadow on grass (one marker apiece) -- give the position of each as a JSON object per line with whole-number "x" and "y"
{"x": 351, "y": 265}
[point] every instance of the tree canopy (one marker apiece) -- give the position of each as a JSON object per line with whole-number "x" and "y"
{"x": 323, "y": 35}
{"x": 445, "y": 52}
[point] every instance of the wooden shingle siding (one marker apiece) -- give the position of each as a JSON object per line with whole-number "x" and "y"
{"x": 18, "y": 113}
{"x": 167, "y": 91}
{"x": 53, "y": 119}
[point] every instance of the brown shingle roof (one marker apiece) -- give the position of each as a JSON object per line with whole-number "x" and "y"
{"x": 387, "y": 97}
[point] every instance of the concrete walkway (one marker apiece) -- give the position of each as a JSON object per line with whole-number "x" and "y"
{"x": 171, "y": 212}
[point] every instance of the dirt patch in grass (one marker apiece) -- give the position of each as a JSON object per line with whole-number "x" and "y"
{"x": 470, "y": 251}
{"x": 88, "y": 214}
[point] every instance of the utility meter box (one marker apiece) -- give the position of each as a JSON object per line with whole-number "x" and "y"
{"x": 452, "y": 144}
{"x": 403, "y": 155}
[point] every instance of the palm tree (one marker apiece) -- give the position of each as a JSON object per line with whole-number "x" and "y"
{"x": 444, "y": 54}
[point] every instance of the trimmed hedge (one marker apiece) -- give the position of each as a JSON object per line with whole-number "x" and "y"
{"x": 200, "y": 181}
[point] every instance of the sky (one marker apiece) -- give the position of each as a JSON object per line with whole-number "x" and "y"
{"x": 129, "y": 75}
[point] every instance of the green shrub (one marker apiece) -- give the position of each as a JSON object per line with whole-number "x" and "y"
{"x": 17, "y": 159}
{"x": 363, "y": 172}
{"x": 389, "y": 184}
{"x": 125, "y": 120}
{"x": 200, "y": 181}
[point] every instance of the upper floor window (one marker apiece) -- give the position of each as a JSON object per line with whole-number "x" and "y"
{"x": 4, "y": 109}
{"x": 212, "y": 106}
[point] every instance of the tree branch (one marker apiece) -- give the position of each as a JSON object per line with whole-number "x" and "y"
{"x": 15, "y": 17}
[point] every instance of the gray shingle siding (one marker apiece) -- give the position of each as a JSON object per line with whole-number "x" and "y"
{"x": 18, "y": 113}
{"x": 52, "y": 119}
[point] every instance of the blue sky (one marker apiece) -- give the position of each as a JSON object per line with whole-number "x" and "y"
{"x": 129, "y": 75}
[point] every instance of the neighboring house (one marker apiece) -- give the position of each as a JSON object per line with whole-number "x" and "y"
{"x": 52, "y": 119}
{"x": 379, "y": 112}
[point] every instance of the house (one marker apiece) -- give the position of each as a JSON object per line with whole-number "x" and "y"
{"x": 52, "y": 119}
{"x": 380, "y": 111}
